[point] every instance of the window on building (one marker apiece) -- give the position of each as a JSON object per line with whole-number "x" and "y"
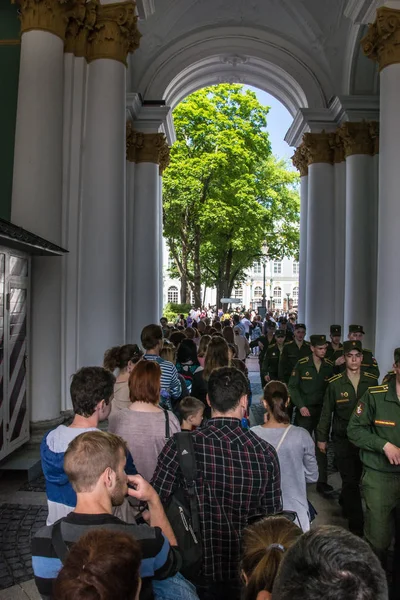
{"x": 173, "y": 295}
{"x": 257, "y": 267}
{"x": 296, "y": 268}
{"x": 277, "y": 267}
{"x": 295, "y": 295}
{"x": 238, "y": 291}
{"x": 258, "y": 292}
{"x": 278, "y": 296}
{"x": 171, "y": 262}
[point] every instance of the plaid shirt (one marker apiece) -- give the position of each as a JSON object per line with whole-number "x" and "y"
{"x": 238, "y": 477}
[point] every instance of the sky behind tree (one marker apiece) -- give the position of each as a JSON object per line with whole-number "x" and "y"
{"x": 279, "y": 121}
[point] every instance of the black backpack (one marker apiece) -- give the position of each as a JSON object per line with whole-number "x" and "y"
{"x": 182, "y": 510}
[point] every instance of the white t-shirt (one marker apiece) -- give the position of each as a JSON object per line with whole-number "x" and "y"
{"x": 246, "y": 324}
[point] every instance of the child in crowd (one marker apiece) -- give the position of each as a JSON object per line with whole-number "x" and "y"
{"x": 190, "y": 413}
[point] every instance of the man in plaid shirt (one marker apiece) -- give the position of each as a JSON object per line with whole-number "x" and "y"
{"x": 238, "y": 477}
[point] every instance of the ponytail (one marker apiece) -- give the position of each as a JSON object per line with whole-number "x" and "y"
{"x": 118, "y": 357}
{"x": 276, "y": 396}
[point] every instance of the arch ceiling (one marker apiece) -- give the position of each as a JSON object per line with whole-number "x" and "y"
{"x": 303, "y": 52}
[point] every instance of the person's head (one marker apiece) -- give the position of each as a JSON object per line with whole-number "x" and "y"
{"x": 227, "y": 332}
{"x": 283, "y": 323}
{"x": 299, "y": 332}
{"x": 201, "y": 327}
{"x": 95, "y": 464}
{"x": 331, "y": 563}
{"x": 204, "y": 341}
{"x": 271, "y": 327}
{"x": 122, "y": 357}
{"x": 276, "y": 400}
{"x": 227, "y": 391}
{"x": 396, "y": 363}
{"x": 91, "y": 391}
{"x": 217, "y": 355}
{"x": 236, "y": 318}
{"x": 336, "y": 334}
{"x": 263, "y": 547}
{"x": 190, "y": 333}
{"x": 177, "y": 337}
{"x": 163, "y": 322}
{"x": 292, "y": 318}
{"x": 151, "y": 337}
{"x": 191, "y": 411}
{"x": 247, "y": 315}
{"x": 217, "y": 326}
{"x": 187, "y": 352}
{"x": 356, "y": 332}
{"x": 318, "y": 345}
{"x": 352, "y": 350}
{"x": 168, "y": 351}
{"x": 101, "y": 565}
{"x": 145, "y": 382}
{"x": 280, "y": 336}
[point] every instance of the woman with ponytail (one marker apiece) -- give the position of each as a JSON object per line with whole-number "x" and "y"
{"x": 264, "y": 545}
{"x": 295, "y": 449}
{"x": 123, "y": 359}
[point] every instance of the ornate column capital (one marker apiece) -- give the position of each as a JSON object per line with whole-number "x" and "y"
{"x": 147, "y": 147}
{"x": 356, "y": 138}
{"x": 374, "y": 133}
{"x": 336, "y": 144}
{"x": 134, "y": 140}
{"x": 81, "y": 21}
{"x": 44, "y": 15}
{"x": 115, "y": 33}
{"x": 164, "y": 156}
{"x": 300, "y": 160}
{"x": 382, "y": 42}
{"x": 318, "y": 147}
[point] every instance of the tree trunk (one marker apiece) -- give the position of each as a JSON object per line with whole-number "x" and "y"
{"x": 184, "y": 290}
{"x": 197, "y": 268}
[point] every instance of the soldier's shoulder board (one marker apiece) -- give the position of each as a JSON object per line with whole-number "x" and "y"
{"x": 304, "y": 360}
{"x": 367, "y": 350}
{"x": 329, "y": 362}
{"x": 307, "y": 343}
{"x": 272, "y": 345}
{"x": 378, "y": 389}
{"x": 366, "y": 374}
{"x": 290, "y": 342}
{"x": 335, "y": 377}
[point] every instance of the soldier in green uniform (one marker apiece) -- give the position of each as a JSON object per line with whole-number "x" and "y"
{"x": 341, "y": 396}
{"x": 307, "y": 386}
{"x": 375, "y": 428}
{"x": 335, "y": 348}
{"x": 283, "y": 327}
{"x": 270, "y": 364}
{"x": 263, "y": 342}
{"x": 292, "y": 352}
{"x": 369, "y": 364}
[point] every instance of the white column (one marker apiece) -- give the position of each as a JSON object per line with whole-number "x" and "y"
{"x": 75, "y": 73}
{"x": 303, "y": 248}
{"x": 36, "y": 204}
{"x": 320, "y": 236}
{"x": 339, "y": 240}
{"x": 161, "y": 249}
{"x": 145, "y": 248}
{"x": 102, "y": 242}
{"x": 360, "y": 287}
{"x": 130, "y": 258}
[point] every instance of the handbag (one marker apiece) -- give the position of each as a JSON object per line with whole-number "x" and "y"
{"x": 182, "y": 509}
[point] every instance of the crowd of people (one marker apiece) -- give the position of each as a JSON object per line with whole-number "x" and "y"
{"x": 169, "y": 484}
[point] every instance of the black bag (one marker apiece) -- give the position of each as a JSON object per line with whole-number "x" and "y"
{"x": 182, "y": 510}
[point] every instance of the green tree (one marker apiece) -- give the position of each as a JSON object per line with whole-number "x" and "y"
{"x": 225, "y": 195}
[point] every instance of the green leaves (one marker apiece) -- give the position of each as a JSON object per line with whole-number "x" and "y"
{"x": 225, "y": 195}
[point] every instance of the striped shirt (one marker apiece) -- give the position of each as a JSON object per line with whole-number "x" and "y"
{"x": 159, "y": 560}
{"x": 238, "y": 477}
{"x": 169, "y": 376}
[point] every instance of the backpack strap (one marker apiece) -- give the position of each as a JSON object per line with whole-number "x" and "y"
{"x": 188, "y": 466}
{"x": 58, "y": 543}
{"x": 282, "y": 438}
{"x": 167, "y": 428}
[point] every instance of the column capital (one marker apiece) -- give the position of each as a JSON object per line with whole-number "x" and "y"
{"x": 82, "y": 18}
{"x": 115, "y": 33}
{"x": 133, "y": 142}
{"x": 164, "y": 156}
{"x": 146, "y": 147}
{"x": 382, "y": 42}
{"x": 336, "y": 144}
{"x": 300, "y": 160}
{"x": 374, "y": 133}
{"x": 356, "y": 138}
{"x": 318, "y": 147}
{"x": 44, "y": 15}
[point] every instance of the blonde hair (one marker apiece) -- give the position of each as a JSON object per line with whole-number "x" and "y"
{"x": 89, "y": 455}
{"x": 217, "y": 356}
{"x": 264, "y": 546}
{"x": 204, "y": 341}
{"x": 168, "y": 352}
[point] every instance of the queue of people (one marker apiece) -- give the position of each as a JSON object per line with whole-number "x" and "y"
{"x": 243, "y": 507}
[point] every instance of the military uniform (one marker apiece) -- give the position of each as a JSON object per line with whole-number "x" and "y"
{"x": 270, "y": 364}
{"x": 307, "y": 387}
{"x": 331, "y": 352}
{"x": 368, "y": 365}
{"x": 263, "y": 339}
{"x": 340, "y": 400}
{"x": 375, "y": 422}
{"x": 291, "y": 354}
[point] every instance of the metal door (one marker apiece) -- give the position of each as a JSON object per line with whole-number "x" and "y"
{"x": 14, "y": 351}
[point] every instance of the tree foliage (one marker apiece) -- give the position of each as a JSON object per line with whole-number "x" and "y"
{"x": 225, "y": 195}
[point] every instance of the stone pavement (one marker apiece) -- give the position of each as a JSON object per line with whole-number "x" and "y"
{"x": 23, "y": 511}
